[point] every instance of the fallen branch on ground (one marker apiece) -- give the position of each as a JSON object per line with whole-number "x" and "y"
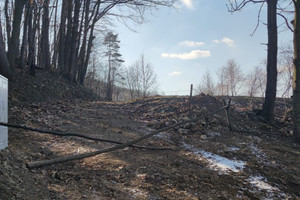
{"x": 76, "y": 135}
{"x": 116, "y": 147}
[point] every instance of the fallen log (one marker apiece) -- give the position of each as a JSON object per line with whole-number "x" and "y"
{"x": 38, "y": 164}
{"x": 76, "y": 135}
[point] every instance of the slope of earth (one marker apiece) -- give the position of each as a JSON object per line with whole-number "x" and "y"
{"x": 45, "y": 86}
{"x": 207, "y": 161}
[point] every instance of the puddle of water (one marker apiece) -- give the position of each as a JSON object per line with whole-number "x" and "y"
{"x": 216, "y": 162}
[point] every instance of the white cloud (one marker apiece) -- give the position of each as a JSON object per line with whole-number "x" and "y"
{"x": 191, "y": 43}
{"x": 229, "y": 42}
{"x": 188, "y": 3}
{"x": 187, "y": 56}
{"x": 175, "y": 73}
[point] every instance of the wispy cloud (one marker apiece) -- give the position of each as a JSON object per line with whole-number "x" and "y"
{"x": 191, "y": 43}
{"x": 175, "y": 73}
{"x": 188, "y": 56}
{"x": 229, "y": 42}
{"x": 216, "y": 41}
{"x": 188, "y": 3}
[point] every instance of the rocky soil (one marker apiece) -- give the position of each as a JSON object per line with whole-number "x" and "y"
{"x": 258, "y": 160}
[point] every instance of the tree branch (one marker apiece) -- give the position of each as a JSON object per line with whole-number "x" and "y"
{"x": 286, "y": 21}
{"x": 258, "y": 19}
{"x": 75, "y": 135}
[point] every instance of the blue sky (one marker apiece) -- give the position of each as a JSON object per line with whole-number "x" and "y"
{"x": 200, "y": 35}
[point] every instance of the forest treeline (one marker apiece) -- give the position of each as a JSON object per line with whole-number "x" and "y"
{"x": 60, "y": 36}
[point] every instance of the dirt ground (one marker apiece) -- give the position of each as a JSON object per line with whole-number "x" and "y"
{"x": 207, "y": 161}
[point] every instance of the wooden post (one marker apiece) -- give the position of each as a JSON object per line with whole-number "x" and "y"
{"x": 228, "y": 114}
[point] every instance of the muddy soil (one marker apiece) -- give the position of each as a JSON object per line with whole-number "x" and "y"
{"x": 207, "y": 161}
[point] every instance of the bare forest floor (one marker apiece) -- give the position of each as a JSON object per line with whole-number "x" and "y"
{"x": 207, "y": 161}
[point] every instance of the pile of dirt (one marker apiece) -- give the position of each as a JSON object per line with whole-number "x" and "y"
{"x": 45, "y": 86}
{"x": 207, "y": 160}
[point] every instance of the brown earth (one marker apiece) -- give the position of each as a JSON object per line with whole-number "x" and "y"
{"x": 263, "y": 163}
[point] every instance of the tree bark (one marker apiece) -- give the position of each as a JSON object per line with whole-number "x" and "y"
{"x": 55, "y": 43}
{"x": 25, "y": 35}
{"x": 269, "y": 104}
{"x": 8, "y": 22}
{"x": 45, "y": 52}
{"x": 13, "y": 48}
{"x": 83, "y": 44}
{"x": 62, "y": 37}
{"x": 4, "y": 64}
{"x": 74, "y": 43}
{"x": 68, "y": 41}
{"x": 296, "y": 91}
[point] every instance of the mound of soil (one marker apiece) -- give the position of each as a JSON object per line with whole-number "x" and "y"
{"x": 207, "y": 161}
{"x": 45, "y": 86}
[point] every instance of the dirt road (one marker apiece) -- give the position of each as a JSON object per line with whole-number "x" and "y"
{"x": 207, "y": 160}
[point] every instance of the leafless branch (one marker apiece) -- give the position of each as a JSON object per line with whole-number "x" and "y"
{"x": 258, "y": 19}
{"x": 74, "y": 135}
{"x": 286, "y": 22}
{"x": 234, "y": 6}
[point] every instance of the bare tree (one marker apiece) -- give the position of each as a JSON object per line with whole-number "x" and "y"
{"x": 44, "y": 43}
{"x": 207, "y": 85}
{"x": 285, "y": 71}
{"x": 221, "y": 85}
{"x": 233, "y": 76}
{"x": 256, "y": 80}
{"x": 148, "y": 77}
{"x": 269, "y": 104}
{"x": 140, "y": 78}
{"x": 13, "y": 47}
{"x": 132, "y": 80}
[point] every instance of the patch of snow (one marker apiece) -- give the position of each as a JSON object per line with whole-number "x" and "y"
{"x": 137, "y": 193}
{"x": 233, "y": 149}
{"x": 259, "y": 182}
{"x": 272, "y": 192}
{"x": 216, "y": 162}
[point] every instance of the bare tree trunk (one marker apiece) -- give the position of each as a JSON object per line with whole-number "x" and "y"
{"x": 31, "y": 37}
{"x": 296, "y": 95}
{"x": 8, "y": 21}
{"x": 55, "y": 43}
{"x": 74, "y": 44}
{"x": 67, "y": 68}
{"x": 62, "y": 32}
{"x": 25, "y": 35}
{"x": 88, "y": 53}
{"x": 13, "y": 48}
{"x": 83, "y": 44}
{"x": 4, "y": 64}
{"x": 269, "y": 104}
{"x": 85, "y": 56}
{"x": 45, "y": 52}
